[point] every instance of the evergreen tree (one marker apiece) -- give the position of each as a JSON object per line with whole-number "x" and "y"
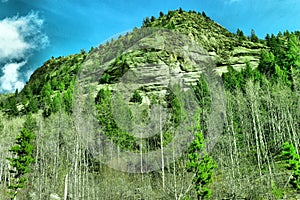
{"x": 46, "y": 93}
{"x": 233, "y": 79}
{"x": 55, "y": 105}
{"x": 22, "y": 157}
{"x": 152, "y": 19}
{"x": 180, "y": 10}
{"x": 253, "y": 37}
{"x": 146, "y": 22}
{"x": 161, "y": 14}
{"x": 61, "y": 86}
{"x": 32, "y": 106}
{"x": 12, "y": 106}
{"x": 241, "y": 35}
{"x": 292, "y": 160}
{"x": 174, "y": 104}
{"x": 54, "y": 83}
{"x": 203, "y": 96}
{"x": 16, "y": 93}
{"x": 202, "y": 167}
{"x": 267, "y": 63}
{"x": 106, "y": 120}
{"x": 267, "y": 38}
{"x": 293, "y": 52}
{"x": 68, "y": 100}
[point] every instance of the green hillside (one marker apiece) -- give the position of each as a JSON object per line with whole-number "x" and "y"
{"x": 235, "y": 102}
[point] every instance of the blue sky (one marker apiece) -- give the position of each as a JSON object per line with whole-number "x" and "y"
{"x": 31, "y": 31}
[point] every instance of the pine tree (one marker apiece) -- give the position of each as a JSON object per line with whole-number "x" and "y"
{"x": 68, "y": 100}
{"x": 161, "y": 14}
{"x": 32, "y": 106}
{"x": 267, "y": 63}
{"x": 152, "y": 19}
{"x": 203, "y": 168}
{"x": 46, "y": 93}
{"x": 293, "y": 163}
{"x": 22, "y": 157}
{"x": 55, "y": 105}
{"x": 180, "y": 10}
{"x": 253, "y": 37}
{"x": 146, "y": 22}
{"x": 12, "y": 106}
{"x": 241, "y": 35}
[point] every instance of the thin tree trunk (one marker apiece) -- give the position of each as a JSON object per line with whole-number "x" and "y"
{"x": 66, "y": 187}
{"x": 162, "y": 150}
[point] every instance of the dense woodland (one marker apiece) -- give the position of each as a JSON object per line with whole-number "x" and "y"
{"x": 43, "y": 156}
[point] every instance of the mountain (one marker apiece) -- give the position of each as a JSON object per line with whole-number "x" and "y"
{"x": 180, "y": 108}
{"x": 223, "y": 47}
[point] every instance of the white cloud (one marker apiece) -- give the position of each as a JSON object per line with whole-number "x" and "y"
{"x": 21, "y": 35}
{"x": 9, "y": 81}
{"x": 19, "y": 38}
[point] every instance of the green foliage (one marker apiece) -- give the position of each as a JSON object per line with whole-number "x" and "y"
{"x": 61, "y": 86}
{"x": 202, "y": 92}
{"x": 277, "y": 192}
{"x": 46, "y": 93}
{"x": 202, "y": 167}
{"x": 281, "y": 75}
{"x": 146, "y": 22}
{"x": 295, "y": 74}
{"x": 11, "y": 106}
{"x": 234, "y": 79}
{"x": 136, "y": 97}
{"x": 54, "y": 83}
{"x": 253, "y": 37}
{"x": 32, "y": 106}
{"x": 174, "y": 105}
{"x": 203, "y": 96}
{"x": 108, "y": 125}
{"x": 22, "y": 156}
{"x": 292, "y": 160}
{"x": 56, "y": 103}
{"x": 56, "y": 75}
{"x": 68, "y": 100}
{"x": 279, "y": 62}
{"x": 241, "y": 35}
{"x": 1, "y": 127}
{"x": 101, "y": 95}
{"x": 152, "y": 19}
{"x": 105, "y": 78}
{"x": 267, "y": 63}
{"x": 161, "y": 14}
{"x": 180, "y": 10}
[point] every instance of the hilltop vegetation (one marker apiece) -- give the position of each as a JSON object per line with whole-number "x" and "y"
{"x": 255, "y": 157}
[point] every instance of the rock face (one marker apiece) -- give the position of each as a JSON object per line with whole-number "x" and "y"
{"x": 224, "y": 47}
{"x": 151, "y": 64}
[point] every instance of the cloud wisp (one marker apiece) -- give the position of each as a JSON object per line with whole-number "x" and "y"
{"x": 9, "y": 81}
{"x": 20, "y": 37}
